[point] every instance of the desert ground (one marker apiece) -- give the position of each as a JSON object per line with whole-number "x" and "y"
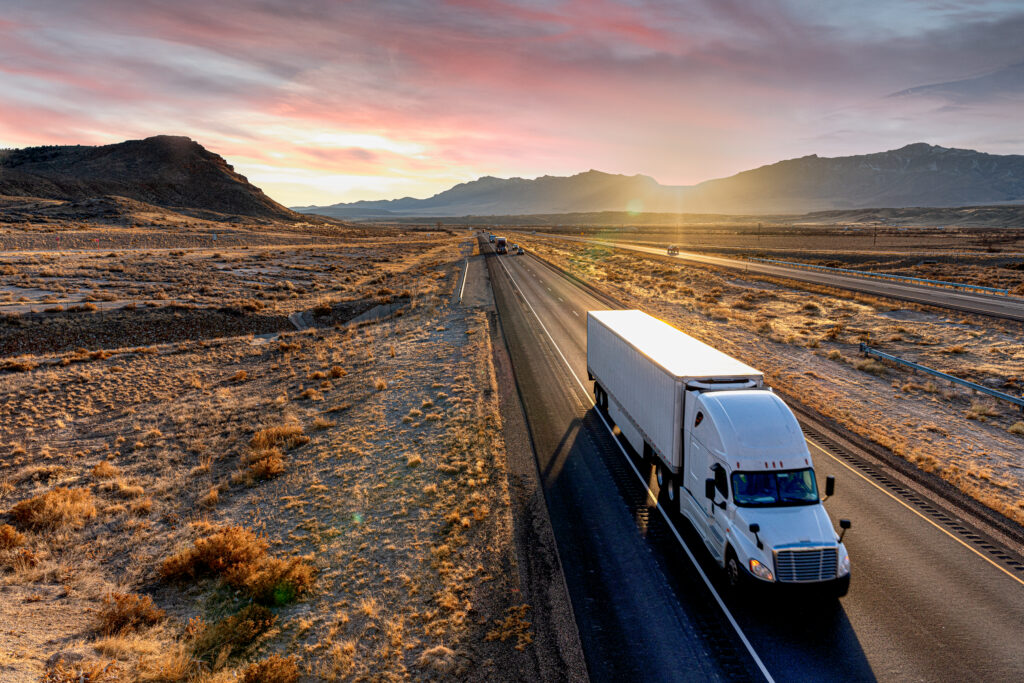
{"x": 806, "y": 341}
{"x": 192, "y": 488}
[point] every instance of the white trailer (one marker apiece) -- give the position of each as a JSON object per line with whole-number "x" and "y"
{"x": 729, "y": 455}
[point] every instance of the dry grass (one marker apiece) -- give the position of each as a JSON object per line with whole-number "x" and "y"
{"x": 438, "y": 658}
{"x": 122, "y": 612}
{"x": 288, "y": 436}
{"x": 215, "y": 644}
{"x": 1016, "y": 428}
{"x": 265, "y": 464}
{"x": 105, "y": 470}
{"x": 273, "y": 669}
{"x": 10, "y": 537}
{"x": 981, "y": 410}
{"x": 870, "y": 365}
{"x": 239, "y": 557}
{"x": 82, "y": 672}
{"x": 219, "y": 553}
{"x": 56, "y": 509}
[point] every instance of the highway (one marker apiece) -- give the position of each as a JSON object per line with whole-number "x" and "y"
{"x": 1008, "y": 307}
{"x": 926, "y": 603}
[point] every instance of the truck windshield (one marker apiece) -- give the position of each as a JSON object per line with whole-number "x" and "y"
{"x": 761, "y": 489}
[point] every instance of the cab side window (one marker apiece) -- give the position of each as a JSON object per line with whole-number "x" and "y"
{"x": 721, "y": 481}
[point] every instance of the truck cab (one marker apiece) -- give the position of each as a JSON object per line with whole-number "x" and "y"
{"x": 752, "y": 494}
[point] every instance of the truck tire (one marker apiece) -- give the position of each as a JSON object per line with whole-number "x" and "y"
{"x": 733, "y": 571}
{"x": 668, "y": 489}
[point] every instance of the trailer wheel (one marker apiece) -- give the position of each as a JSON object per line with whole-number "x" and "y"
{"x": 666, "y": 486}
{"x": 670, "y": 490}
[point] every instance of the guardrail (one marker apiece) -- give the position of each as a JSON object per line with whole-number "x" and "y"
{"x": 890, "y": 276}
{"x": 1016, "y": 400}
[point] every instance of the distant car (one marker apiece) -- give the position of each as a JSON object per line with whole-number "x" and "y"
{"x": 514, "y": 249}
{"x": 672, "y": 250}
{"x": 490, "y": 238}
{"x": 520, "y": 251}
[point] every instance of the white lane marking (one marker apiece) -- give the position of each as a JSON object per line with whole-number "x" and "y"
{"x": 920, "y": 514}
{"x": 650, "y": 494}
{"x": 464, "y": 276}
{"x": 560, "y": 299}
{"x": 576, "y": 314}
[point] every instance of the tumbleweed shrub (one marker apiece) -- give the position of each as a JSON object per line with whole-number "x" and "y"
{"x": 273, "y": 669}
{"x": 56, "y": 509}
{"x": 220, "y": 552}
{"x": 229, "y": 637}
{"x": 10, "y": 537}
{"x": 122, "y": 612}
{"x": 273, "y": 581}
{"x": 239, "y": 557}
{"x": 265, "y": 463}
{"x": 288, "y": 436}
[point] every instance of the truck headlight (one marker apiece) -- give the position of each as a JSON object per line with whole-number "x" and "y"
{"x": 844, "y": 565}
{"x": 760, "y": 570}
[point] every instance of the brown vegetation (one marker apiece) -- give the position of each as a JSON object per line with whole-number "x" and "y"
{"x": 55, "y": 509}
{"x": 126, "y": 612}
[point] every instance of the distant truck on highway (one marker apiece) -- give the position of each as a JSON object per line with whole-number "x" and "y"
{"x": 501, "y": 245}
{"x": 672, "y": 250}
{"x": 729, "y": 454}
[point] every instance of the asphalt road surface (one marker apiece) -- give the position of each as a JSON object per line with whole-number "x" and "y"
{"x": 924, "y": 603}
{"x": 1008, "y": 307}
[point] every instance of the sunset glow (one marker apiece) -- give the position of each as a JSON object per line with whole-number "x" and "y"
{"x": 321, "y": 102}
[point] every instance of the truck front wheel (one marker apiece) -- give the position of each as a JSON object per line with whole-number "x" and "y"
{"x": 733, "y": 570}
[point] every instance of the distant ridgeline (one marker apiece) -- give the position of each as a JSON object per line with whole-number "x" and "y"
{"x": 918, "y": 175}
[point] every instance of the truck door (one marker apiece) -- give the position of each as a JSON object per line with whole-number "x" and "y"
{"x": 718, "y": 523}
{"x": 698, "y": 507}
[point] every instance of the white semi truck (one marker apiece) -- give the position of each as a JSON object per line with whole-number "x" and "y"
{"x": 729, "y": 454}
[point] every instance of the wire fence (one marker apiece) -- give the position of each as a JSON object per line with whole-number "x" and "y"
{"x": 1016, "y": 400}
{"x": 890, "y": 276}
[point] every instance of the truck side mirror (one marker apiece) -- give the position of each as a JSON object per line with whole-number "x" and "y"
{"x": 844, "y": 524}
{"x": 830, "y": 486}
{"x": 754, "y": 528}
{"x": 709, "y": 489}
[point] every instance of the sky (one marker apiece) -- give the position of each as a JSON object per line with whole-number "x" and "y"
{"x": 325, "y": 101}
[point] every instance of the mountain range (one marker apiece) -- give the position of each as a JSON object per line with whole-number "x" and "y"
{"x": 166, "y": 171}
{"x": 915, "y": 175}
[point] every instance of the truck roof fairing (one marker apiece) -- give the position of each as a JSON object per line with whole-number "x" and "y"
{"x": 752, "y": 430}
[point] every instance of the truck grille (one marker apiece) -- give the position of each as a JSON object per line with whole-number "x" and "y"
{"x": 806, "y": 564}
